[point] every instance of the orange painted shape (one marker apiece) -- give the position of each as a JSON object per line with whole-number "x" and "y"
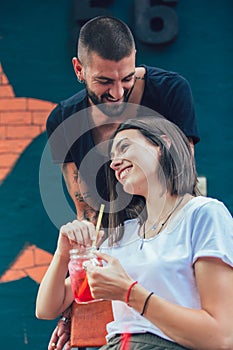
{"x": 16, "y": 118}
{"x": 3, "y": 173}
{"x": 32, "y": 262}
{"x": 22, "y": 132}
{"x": 21, "y": 118}
{"x": 39, "y": 119}
{"x": 42, "y": 257}
{"x": 24, "y": 259}
{"x": 3, "y": 78}
{"x": 6, "y": 91}
{"x": 13, "y": 146}
{"x": 2, "y": 132}
{"x": 13, "y": 104}
{"x": 36, "y": 273}
{"x": 6, "y": 161}
{"x": 39, "y": 105}
{"x": 12, "y": 275}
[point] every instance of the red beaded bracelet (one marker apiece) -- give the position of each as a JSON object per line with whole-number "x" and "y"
{"x": 128, "y": 292}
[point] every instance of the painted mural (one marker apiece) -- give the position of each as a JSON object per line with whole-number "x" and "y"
{"x": 23, "y": 261}
{"x": 36, "y": 48}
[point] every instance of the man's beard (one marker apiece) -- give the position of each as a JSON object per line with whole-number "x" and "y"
{"x": 111, "y": 110}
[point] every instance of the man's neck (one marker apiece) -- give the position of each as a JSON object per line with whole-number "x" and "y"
{"x": 138, "y": 89}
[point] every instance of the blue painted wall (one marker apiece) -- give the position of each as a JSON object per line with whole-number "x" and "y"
{"x": 36, "y": 48}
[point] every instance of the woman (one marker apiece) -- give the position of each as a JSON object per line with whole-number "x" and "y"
{"x": 169, "y": 266}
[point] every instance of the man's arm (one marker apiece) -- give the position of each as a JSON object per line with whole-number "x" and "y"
{"x": 79, "y": 192}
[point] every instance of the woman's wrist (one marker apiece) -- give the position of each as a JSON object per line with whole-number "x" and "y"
{"x": 127, "y": 298}
{"x": 146, "y": 303}
{"x": 63, "y": 258}
{"x": 139, "y": 298}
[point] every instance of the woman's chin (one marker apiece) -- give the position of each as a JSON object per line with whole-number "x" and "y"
{"x": 128, "y": 188}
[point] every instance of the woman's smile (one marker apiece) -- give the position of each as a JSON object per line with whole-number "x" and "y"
{"x": 134, "y": 161}
{"x": 123, "y": 173}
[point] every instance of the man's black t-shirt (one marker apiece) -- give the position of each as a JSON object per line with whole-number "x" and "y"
{"x": 70, "y": 136}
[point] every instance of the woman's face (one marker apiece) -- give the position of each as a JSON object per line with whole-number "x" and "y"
{"x": 135, "y": 161}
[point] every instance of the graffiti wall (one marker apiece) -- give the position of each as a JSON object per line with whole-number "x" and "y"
{"x": 37, "y": 43}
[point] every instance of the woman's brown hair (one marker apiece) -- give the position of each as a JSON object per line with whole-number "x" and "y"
{"x": 177, "y": 171}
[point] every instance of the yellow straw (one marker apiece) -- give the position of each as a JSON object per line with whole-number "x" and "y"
{"x": 101, "y": 211}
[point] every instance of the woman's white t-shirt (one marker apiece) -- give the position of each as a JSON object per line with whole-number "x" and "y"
{"x": 164, "y": 264}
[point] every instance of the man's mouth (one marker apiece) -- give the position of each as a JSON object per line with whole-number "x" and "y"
{"x": 113, "y": 100}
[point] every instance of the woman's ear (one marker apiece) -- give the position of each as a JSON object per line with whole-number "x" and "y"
{"x": 166, "y": 140}
{"x": 78, "y": 68}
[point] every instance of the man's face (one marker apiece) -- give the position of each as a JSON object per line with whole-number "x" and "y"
{"x": 109, "y": 83}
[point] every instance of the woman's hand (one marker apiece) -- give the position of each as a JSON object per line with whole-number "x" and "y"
{"x": 74, "y": 234}
{"x": 110, "y": 281}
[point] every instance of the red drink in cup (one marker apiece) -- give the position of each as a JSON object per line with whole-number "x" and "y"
{"x": 80, "y": 287}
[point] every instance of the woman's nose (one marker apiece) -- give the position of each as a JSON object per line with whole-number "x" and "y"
{"x": 115, "y": 163}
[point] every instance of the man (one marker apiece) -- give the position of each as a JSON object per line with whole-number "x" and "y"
{"x": 105, "y": 63}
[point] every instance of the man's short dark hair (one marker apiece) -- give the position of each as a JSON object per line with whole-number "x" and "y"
{"x": 107, "y": 36}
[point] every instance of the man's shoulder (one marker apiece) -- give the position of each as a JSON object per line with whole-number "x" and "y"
{"x": 78, "y": 100}
{"x": 160, "y": 75}
{"x": 66, "y": 108}
{"x": 164, "y": 83}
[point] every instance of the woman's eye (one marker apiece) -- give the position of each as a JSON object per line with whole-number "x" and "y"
{"x": 124, "y": 147}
